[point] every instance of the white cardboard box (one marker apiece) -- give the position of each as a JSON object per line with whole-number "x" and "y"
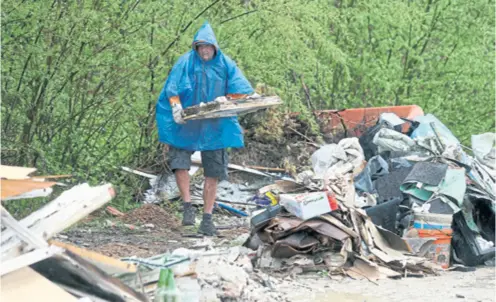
{"x": 306, "y": 205}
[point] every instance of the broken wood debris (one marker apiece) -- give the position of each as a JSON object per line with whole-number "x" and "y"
{"x": 216, "y": 109}
{"x": 113, "y": 211}
{"x": 18, "y": 184}
{"x": 23, "y": 244}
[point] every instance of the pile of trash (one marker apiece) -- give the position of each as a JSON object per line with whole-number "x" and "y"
{"x": 403, "y": 199}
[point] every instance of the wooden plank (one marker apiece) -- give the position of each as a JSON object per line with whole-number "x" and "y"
{"x": 113, "y": 211}
{"x": 268, "y": 169}
{"x": 28, "y": 259}
{"x": 107, "y": 264}
{"x": 151, "y": 176}
{"x": 283, "y": 186}
{"x": 33, "y": 194}
{"x": 69, "y": 208}
{"x": 13, "y": 172}
{"x": 13, "y": 187}
{"x": 52, "y": 176}
{"x": 26, "y": 284}
{"x": 197, "y": 161}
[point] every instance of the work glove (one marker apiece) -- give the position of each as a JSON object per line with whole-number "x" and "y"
{"x": 221, "y": 99}
{"x": 178, "y": 114}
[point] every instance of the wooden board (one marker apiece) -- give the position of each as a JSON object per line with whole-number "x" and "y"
{"x": 14, "y": 187}
{"x": 31, "y": 194}
{"x": 12, "y": 172}
{"x": 230, "y": 108}
{"x": 26, "y": 284}
{"x": 107, "y": 264}
{"x": 196, "y": 159}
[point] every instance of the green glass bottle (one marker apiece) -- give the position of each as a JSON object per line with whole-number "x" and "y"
{"x": 166, "y": 287}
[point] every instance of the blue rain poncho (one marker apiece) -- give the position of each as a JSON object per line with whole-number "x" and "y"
{"x": 196, "y": 81}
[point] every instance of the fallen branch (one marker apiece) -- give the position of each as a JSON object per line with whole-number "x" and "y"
{"x": 302, "y": 135}
{"x": 267, "y": 168}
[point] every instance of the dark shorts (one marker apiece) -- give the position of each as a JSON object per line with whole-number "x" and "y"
{"x": 214, "y": 162}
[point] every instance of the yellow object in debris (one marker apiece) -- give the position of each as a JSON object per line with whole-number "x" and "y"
{"x": 272, "y": 197}
{"x": 108, "y": 264}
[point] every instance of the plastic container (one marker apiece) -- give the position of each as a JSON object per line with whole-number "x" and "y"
{"x": 429, "y": 221}
{"x": 440, "y": 251}
{"x": 438, "y": 227}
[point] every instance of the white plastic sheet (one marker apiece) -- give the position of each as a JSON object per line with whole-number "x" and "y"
{"x": 337, "y": 158}
{"x": 391, "y": 140}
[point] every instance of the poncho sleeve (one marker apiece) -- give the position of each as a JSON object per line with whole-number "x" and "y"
{"x": 178, "y": 83}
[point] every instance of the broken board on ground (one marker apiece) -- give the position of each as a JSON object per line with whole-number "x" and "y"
{"x": 217, "y": 109}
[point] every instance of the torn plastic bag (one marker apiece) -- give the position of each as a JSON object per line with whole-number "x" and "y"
{"x": 424, "y": 129}
{"x": 376, "y": 167}
{"x": 483, "y": 146}
{"x": 347, "y": 151}
{"x": 390, "y": 140}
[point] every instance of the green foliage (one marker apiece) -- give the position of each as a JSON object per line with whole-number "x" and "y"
{"x": 80, "y": 79}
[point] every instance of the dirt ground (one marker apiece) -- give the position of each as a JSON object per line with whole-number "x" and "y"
{"x": 450, "y": 286}
{"x": 146, "y": 231}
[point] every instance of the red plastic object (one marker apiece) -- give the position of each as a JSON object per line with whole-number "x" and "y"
{"x": 333, "y": 203}
{"x": 357, "y": 120}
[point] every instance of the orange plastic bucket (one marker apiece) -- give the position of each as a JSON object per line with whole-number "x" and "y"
{"x": 440, "y": 251}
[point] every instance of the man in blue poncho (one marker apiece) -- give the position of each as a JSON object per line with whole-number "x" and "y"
{"x": 203, "y": 74}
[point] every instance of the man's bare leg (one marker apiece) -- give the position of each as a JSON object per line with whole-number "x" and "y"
{"x": 209, "y": 194}
{"x": 207, "y": 226}
{"x": 182, "y": 180}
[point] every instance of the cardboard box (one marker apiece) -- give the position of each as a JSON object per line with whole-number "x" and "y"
{"x": 308, "y": 205}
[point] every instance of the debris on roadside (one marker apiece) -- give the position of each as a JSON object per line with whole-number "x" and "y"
{"x": 418, "y": 195}
{"x": 394, "y": 198}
